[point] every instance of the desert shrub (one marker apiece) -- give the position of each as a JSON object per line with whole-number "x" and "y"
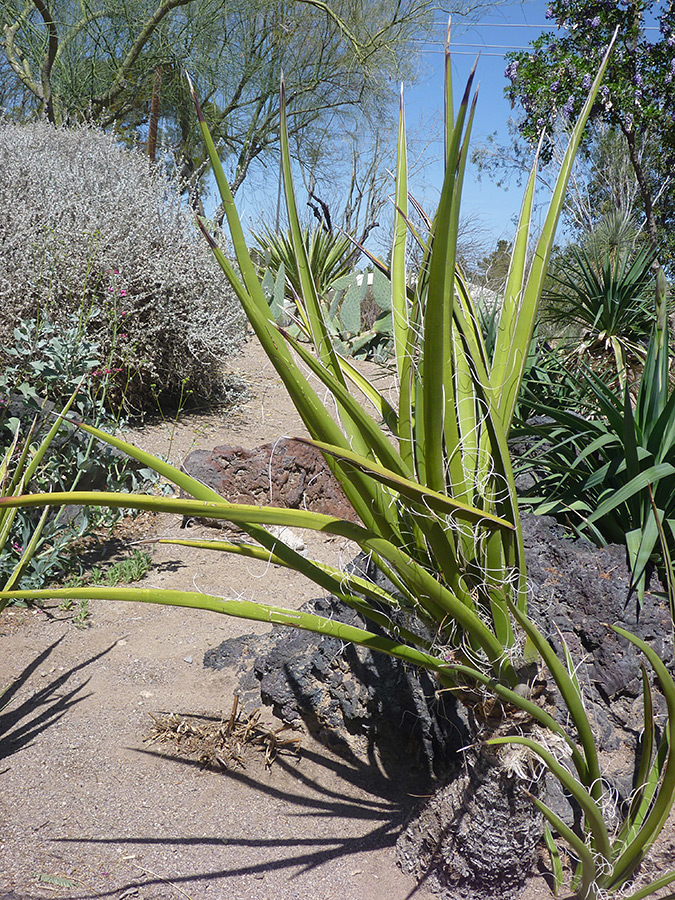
{"x": 93, "y": 237}
{"x": 45, "y": 366}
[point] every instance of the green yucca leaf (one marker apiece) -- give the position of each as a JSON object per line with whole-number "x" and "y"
{"x": 309, "y": 295}
{"x": 242, "y": 609}
{"x": 412, "y": 490}
{"x": 635, "y": 852}
{"x": 647, "y": 777}
{"x": 439, "y": 296}
{"x": 588, "y": 867}
{"x": 521, "y": 304}
{"x": 556, "y": 861}
{"x": 654, "y": 886}
{"x": 590, "y": 772}
{"x": 399, "y": 288}
{"x": 429, "y": 593}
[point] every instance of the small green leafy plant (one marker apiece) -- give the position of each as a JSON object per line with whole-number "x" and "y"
{"x": 132, "y": 568}
{"x": 21, "y": 460}
{"x": 48, "y": 364}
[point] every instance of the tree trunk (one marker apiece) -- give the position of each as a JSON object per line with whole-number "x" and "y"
{"x": 154, "y": 114}
{"x": 645, "y": 193}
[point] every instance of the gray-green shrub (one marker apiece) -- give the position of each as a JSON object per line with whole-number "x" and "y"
{"x": 90, "y": 234}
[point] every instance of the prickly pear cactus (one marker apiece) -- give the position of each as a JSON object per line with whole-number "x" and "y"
{"x": 357, "y": 308}
{"x": 359, "y": 314}
{"x": 275, "y": 291}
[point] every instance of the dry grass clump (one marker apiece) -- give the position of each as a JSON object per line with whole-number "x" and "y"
{"x": 221, "y": 743}
{"x": 91, "y": 235}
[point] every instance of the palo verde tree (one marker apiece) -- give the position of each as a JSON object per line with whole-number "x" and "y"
{"x": 549, "y": 82}
{"x": 120, "y": 64}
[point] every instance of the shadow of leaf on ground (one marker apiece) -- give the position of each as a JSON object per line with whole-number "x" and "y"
{"x": 21, "y": 724}
{"x": 382, "y": 803}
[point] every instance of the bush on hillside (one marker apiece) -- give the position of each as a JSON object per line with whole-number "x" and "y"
{"x": 91, "y": 236}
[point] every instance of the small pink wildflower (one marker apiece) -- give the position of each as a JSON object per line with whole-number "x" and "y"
{"x": 123, "y": 293}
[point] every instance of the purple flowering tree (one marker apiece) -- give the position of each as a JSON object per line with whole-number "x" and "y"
{"x": 549, "y": 84}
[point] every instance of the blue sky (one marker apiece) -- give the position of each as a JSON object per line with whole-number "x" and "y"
{"x": 508, "y": 26}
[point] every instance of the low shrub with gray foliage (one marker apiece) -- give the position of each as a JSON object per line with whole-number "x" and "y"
{"x": 91, "y": 235}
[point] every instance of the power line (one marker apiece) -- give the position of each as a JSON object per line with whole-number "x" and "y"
{"x": 477, "y": 48}
{"x": 467, "y": 53}
{"x": 465, "y": 26}
{"x": 487, "y": 46}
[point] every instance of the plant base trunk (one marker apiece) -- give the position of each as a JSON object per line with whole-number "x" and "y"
{"x": 477, "y": 836}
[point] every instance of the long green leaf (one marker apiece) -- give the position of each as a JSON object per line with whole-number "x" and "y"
{"x": 422, "y": 585}
{"x": 399, "y": 292}
{"x": 646, "y": 478}
{"x": 654, "y": 886}
{"x": 591, "y": 809}
{"x": 503, "y": 379}
{"x": 635, "y": 852}
{"x": 242, "y": 609}
{"x": 309, "y": 298}
{"x": 517, "y": 336}
{"x": 438, "y": 312}
{"x": 590, "y": 775}
{"x": 412, "y": 490}
{"x": 588, "y": 864}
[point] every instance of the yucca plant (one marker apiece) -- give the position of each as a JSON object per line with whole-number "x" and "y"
{"x": 330, "y": 255}
{"x": 599, "y": 472}
{"x": 609, "y": 298}
{"x": 430, "y": 478}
